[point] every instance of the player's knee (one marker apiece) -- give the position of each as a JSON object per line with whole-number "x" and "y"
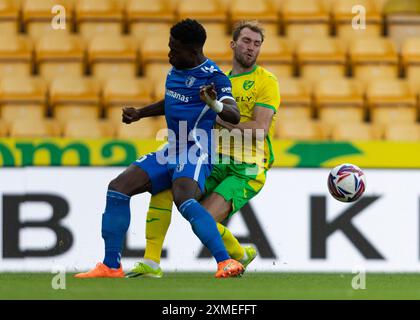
{"x": 116, "y": 185}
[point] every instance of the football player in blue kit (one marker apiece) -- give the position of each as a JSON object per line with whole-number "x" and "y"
{"x": 197, "y": 91}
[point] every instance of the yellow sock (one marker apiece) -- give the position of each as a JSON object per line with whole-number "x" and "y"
{"x": 157, "y": 224}
{"x": 232, "y": 245}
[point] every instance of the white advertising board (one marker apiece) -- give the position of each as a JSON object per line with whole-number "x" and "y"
{"x": 51, "y": 217}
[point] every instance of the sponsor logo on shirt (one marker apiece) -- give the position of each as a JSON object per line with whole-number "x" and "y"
{"x": 177, "y": 96}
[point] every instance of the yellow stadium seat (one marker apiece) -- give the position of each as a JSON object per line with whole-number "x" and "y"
{"x": 15, "y": 55}
{"x": 402, "y": 132}
{"x": 60, "y": 55}
{"x": 22, "y": 96}
{"x": 99, "y": 17}
{"x": 339, "y": 100}
{"x": 304, "y": 18}
{"x": 32, "y": 128}
{"x": 159, "y": 90}
{"x": 218, "y": 49}
{"x": 215, "y": 30}
{"x": 144, "y": 129}
{"x": 344, "y": 12}
{"x": 410, "y": 56}
{"x": 111, "y": 56}
{"x": 262, "y": 10}
{"x": 402, "y": 20}
{"x": 372, "y": 58}
{"x": 74, "y": 98}
{"x": 295, "y": 100}
{"x": 38, "y": 18}
{"x": 320, "y": 57}
{"x": 9, "y": 17}
{"x": 299, "y": 130}
{"x": 149, "y": 11}
{"x": 88, "y": 128}
{"x": 143, "y": 30}
{"x": 391, "y": 101}
{"x": 203, "y": 11}
{"x": 355, "y": 131}
{"x": 123, "y": 92}
{"x": 277, "y": 54}
{"x": 4, "y": 128}
{"x": 157, "y": 72}
{"x": 155, "y": 49}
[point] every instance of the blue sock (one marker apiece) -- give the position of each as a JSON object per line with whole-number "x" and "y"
{"x": 115, "y": 222}
{"x": 204, "y": 228}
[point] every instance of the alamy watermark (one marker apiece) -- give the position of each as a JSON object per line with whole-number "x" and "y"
{"x": 359, "y": 280}
{"x": 58, "y": 282}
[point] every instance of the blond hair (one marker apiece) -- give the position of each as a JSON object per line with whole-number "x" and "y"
{"x": 254, "y": 25}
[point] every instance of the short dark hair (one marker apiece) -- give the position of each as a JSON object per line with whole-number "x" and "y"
{"x": 254, "y": 25}
{"x": 189, "y": 32}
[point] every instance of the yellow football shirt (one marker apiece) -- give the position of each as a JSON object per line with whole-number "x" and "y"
{"x": 257, "y": 88}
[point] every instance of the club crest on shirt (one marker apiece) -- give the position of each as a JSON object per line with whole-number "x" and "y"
{"x": 190, "y": 81}
{"x": 248, "y": 84}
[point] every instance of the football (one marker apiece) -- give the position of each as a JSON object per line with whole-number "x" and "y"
{"x": 346, "y": 182}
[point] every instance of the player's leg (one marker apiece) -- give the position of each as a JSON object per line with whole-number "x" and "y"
{"x": 116, "y": 218}
{"x": 157, "y": 224}
{"x": 187, "y": 188}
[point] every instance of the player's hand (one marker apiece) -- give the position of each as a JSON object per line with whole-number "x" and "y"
{"x": 130, "y": 114}
{"x": 208, "y": 95}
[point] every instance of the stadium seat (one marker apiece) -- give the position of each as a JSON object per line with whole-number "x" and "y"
{"x": 262, "y": 10}
{"x": 15, "y": 55}
{"x": 144, "y": 129}
{"x": 60, "y": 55}
{"x": 155, "y": 49}
{"x": 99, "y": 17}
{"x": 123, "y": 92}
{"x": 22, "y": 96}
{"x": 343, "y": 16}
{"x": 410, "y": 57}
{"x": 157, "y": 72}
{"x": 203, "y": 11}
{"x": 402, "y": 132}
{"x": 373, "y": 58}
{"x": 299, "y": 130}
{"x": 303, "y": 18}
{"x": 391, "y": 101}
{"x": 218, "y": 49}
{"x": 37, "y": 17}
{"x": 149, "y": 18}
{"x": 339, "y": 100}
{"x": 74, "y": 98}
{"x": 32, "y": 128}
{"x": 319, "y": 57}
{"x": 277, "y": 56}
{"x": 159, "y": 90}
{"x": 113, "y": 55}
{"x": 295, "y": 102}
{"x": 4, "y": 128}
{"x": 88, "y": 128}
{"x": 9, "y": 17}
{"x": 355, "y": 131}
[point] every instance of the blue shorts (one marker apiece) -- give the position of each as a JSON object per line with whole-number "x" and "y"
{"x": 162, "y": 175}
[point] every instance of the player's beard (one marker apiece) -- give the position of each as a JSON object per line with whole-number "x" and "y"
{"x": 243, "y": 62}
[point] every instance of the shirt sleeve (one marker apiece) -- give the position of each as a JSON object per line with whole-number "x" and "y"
{"x": 223, "y": 86}
{"x": 269, "y": 94}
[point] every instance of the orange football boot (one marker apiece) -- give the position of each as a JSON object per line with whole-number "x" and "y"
{"x": 229, "y": 268}
{"x": 102, "y": 271}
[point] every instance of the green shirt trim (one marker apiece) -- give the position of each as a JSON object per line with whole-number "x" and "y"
{"x": 266, "y": 106}
{"x": 242, "y": 74}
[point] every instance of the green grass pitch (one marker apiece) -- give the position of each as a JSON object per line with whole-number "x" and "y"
{"x": 202, "y": 286}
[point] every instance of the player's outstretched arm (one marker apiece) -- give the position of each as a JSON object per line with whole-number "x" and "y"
{"x": 130, "y": 114}
{"x": 226, "y": 109}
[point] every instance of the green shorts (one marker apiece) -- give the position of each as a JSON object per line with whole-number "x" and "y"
{"x": 238, "y": 183}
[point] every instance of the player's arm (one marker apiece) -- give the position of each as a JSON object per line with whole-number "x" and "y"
{"x": 131, "y": 114}
{"x": 261, "y": 120}
{"x": 225, "y": 109}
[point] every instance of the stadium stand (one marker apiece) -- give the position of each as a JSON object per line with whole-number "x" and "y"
{"x": 33, "y": 128}
{"x": 16, "y": 53}
{"x": 402, "y": 132}
{"x": 74, "y": 98}
{"x": 87, "y": 128}
{"x": 300, "y": 130}
{"x": 355, "y": 131}
{"x": 114, "y": 53}
{"x": 57, "y": 55}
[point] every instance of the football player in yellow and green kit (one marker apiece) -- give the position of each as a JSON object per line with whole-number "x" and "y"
{"x": 241, "y": 174}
